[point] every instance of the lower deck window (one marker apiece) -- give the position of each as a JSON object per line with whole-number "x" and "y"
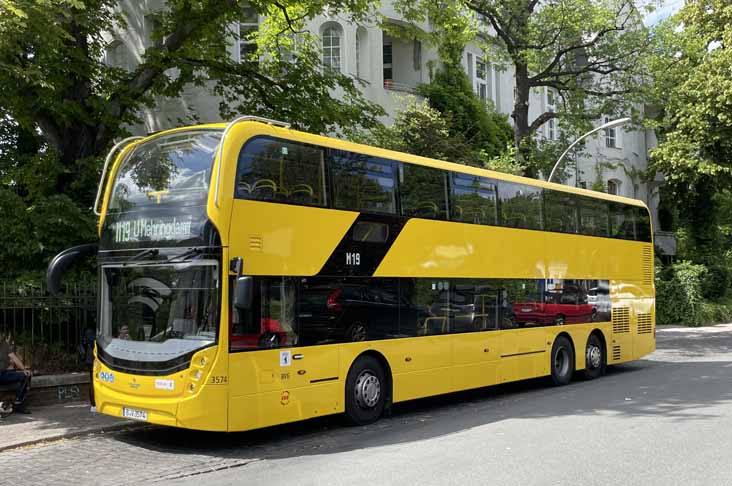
{"x": 320, "y": 310}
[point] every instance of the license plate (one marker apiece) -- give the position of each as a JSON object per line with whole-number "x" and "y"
{"x": 134, "y": 414}
{"x": 526, "y": 309}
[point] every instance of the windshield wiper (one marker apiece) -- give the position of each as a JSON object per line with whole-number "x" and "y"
{"x": 143, "y": 253}
{"x": 185, "y": 254}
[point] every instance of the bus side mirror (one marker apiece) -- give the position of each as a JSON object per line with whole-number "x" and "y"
{"x": 63, "y": 261}
{"x": 243, "y": 293}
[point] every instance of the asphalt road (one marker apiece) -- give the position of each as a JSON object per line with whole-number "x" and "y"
{"x": 664, "y": 420}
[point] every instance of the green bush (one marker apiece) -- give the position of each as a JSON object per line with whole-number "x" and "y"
{"x": 716, "y": 282}
{"x": 679, "y": 299}
{"x": 714, "y": 313}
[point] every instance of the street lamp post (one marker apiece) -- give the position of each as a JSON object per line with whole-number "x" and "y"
{"x": 610, "y": 124}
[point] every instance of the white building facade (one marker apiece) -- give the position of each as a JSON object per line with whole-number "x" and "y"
{"x": 388, "y": 69}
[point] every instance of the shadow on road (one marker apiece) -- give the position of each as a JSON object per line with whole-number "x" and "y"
{"x": 672, "y": 390}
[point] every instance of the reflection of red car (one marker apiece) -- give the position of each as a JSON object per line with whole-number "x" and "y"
{"x": 270, "y": 335}
{"x": 558, "y": 308}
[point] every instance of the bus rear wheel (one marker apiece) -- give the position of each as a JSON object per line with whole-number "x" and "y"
{"x": 366, "y": 389}
{"x": 562, "y": 361}
{"x": 594, "y": 358}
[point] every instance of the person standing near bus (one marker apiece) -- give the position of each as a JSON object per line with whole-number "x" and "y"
{"x": 18, "y": 373}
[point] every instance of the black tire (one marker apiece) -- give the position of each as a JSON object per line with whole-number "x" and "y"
{"x": 560, "y": 320}
{"x": 562, "y": 361}
{"x": 366, "y": 390}
{"x": 595, "y": 358}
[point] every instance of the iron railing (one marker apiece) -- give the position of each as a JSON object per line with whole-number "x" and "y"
{"x": 44, "y": 327}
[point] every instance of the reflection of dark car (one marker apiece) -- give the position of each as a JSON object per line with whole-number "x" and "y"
{"x": 468, "y": 308}
{"x": 346, "y": 312}
{"x": 567, "y": 306}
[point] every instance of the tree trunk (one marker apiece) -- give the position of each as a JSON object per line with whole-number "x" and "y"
{"x": 520, "y": 115}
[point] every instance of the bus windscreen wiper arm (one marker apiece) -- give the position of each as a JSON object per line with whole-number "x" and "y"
{"x": 151, "y": 252}
{"x": 185, "y": 254}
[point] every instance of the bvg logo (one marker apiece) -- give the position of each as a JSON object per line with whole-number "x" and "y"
{"x": 285, "y": 398}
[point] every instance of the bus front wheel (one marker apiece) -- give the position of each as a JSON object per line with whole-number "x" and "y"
{"x": 366, "y": 389}
{"x": 562, "y": 361}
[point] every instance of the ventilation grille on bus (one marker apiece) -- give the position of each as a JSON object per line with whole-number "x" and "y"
{"x": 644, "y": 324}
{"x": 616, "y": 352}
{"x": 647, "y": 265}
{"x": 621, "y": 320}
{"x": 255, "y": 242}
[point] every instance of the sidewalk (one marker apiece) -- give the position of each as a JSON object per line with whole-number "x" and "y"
{"x": 55, "y": 422}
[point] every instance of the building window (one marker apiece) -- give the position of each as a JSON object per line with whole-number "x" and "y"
{"x": 611, "y": 135}
{"x": 417, "y": 55}
{"x": 387, "y": 55}
{"x": 552, "y": 131}
{"x": 332, "y": 48}
{"x": 481, "y": 76}
{"x": 613, "y": 186}
{"x": 246, "y": 37}
{"x": 471, "y": 74}
{"x": 117, "y": 55}
{"x": 362, "y": 54}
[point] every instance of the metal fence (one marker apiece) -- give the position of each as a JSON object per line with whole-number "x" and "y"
{"x": 46, "y": 329}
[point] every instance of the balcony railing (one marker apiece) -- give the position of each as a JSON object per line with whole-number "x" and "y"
{"x": 392, "y": 85}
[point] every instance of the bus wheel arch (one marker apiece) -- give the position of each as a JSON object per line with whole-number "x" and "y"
{"x": 595, "y": 355}
{"x": 369, "y": 369}
{"x": 562, "y": 360}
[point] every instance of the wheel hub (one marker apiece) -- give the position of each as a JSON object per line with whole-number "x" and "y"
{"x": 594, "y": 356}
{"x": 368, "y": 389}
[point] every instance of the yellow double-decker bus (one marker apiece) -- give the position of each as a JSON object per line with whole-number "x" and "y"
{"x": 252, "y": 275}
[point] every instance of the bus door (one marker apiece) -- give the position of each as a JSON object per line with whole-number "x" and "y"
{"x": 523, "y": 340}
{"x": 273, "y": 377}
{"x": 474, "y": 318}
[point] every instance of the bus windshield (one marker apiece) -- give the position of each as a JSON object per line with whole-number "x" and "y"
{"x": 157, "y": 312}
{"x": 172, "y": 169}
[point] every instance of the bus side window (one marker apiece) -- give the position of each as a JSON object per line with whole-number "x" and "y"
{"x": 642, "y": 225}
{"x": 594, "y": 217}
{"x": 473, "y": 199}
{"x": 560, "y": 212}
{"x": 281, "y": 171}
{"x": 271, "y": 321}
{"x": 520, "y": 205}
{"x": 622, "y": 224}
{"x": 423, "y": 191}
{"x": 362, "y": 182}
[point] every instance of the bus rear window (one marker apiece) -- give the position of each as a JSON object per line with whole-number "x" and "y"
{"x": 171, "y": 169}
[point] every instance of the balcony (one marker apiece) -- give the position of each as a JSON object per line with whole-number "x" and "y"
{"x": 392, "y": 85}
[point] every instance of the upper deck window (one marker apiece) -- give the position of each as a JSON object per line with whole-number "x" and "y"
{"x": 473, "y": 199}
{"x": 520, "y": 205}
{"x": 171, "y": 169}
{"x": 423, "y": 191}
{"x": 362, "y": 182}
{"x": 281, "y": 171}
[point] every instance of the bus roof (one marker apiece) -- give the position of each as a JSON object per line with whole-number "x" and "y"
{"x": 331, "y": 142}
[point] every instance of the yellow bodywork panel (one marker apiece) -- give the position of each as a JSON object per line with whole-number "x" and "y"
{"x": 280, "y": 239}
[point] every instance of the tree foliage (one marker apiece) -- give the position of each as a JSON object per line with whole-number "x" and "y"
{"x": 479, "y": 124}
{"x": 420, "y": 129}
{"x": 55, "y": 81}
{"x": 692, "y": 88}
{"x": 63, "y": 103}
{"x": 588, "y": 51}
